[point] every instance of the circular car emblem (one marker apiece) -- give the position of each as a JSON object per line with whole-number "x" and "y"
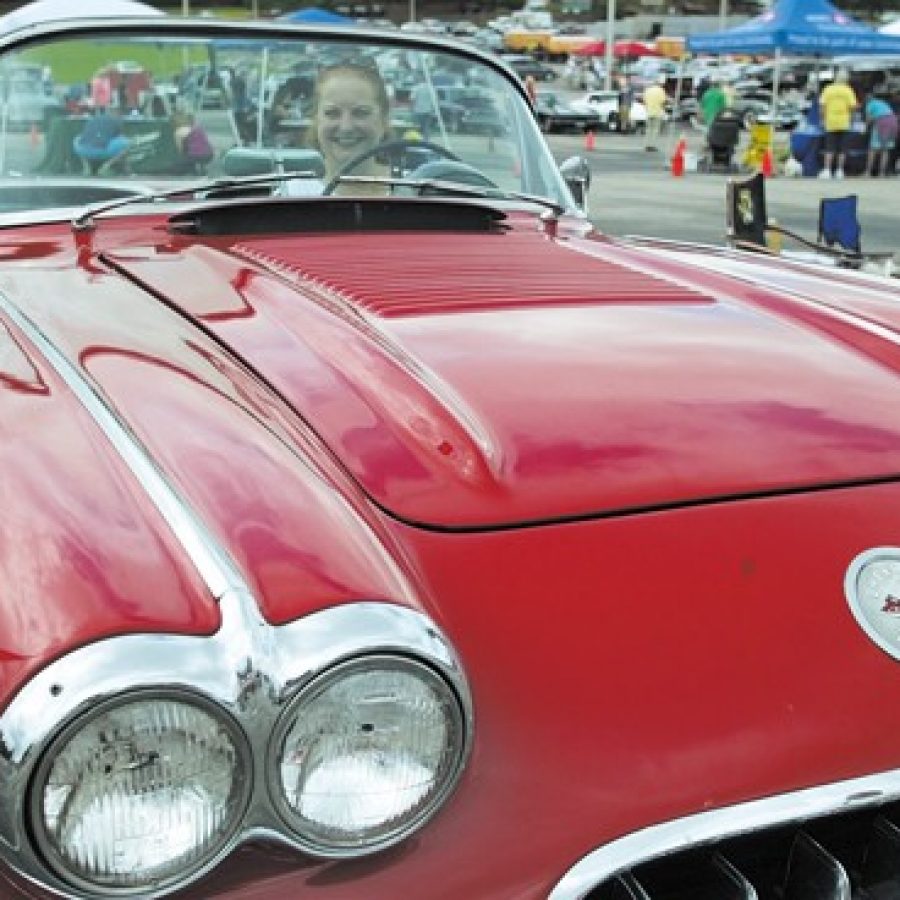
{"x": 872, "y": 586}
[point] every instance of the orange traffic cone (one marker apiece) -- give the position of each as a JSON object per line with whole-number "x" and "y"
{"x": 590, "y": 142}
{"x": 768, "y": 169}
{"x": 35, "y": 136}
{"x": 678, "y": 158}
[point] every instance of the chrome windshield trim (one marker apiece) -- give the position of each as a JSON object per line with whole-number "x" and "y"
{"x": 719, "y": 824}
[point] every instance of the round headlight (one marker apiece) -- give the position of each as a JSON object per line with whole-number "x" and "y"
{"x": 140, "y": 792}
{"x": 366, "y": 753}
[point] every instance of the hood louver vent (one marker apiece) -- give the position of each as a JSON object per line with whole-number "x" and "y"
{"x": 423, "y": 274}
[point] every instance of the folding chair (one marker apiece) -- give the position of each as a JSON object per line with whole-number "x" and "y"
{"x": 748, "y": 227}
{"x": 839, "y": 225}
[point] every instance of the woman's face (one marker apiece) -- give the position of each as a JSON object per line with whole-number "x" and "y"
{"x": 349, "y": 120}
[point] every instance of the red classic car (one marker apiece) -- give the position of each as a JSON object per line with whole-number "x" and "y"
{"x": 372, "y": 527}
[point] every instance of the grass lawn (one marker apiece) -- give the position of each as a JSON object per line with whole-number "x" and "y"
{"x": 78, "y": 61}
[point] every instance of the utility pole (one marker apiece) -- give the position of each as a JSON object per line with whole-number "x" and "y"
{"x": 723, "y": 14}
{"x": 185, "y": 7}
{"x": 610, "y": 40}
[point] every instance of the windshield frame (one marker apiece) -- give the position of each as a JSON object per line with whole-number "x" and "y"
{"x": 534, "y": 150}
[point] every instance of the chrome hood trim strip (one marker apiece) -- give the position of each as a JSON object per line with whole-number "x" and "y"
{"x": 719, "y": 824}
{"x": 214, "y": 566}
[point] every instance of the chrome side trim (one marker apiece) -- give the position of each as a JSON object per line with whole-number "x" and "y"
{"x": 719, "y": 824}
{"x": 249, "y": 667}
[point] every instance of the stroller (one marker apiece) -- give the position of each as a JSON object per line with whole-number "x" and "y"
{"x": 721, "y": 141}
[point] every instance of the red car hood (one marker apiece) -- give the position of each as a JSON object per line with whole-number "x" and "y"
{"x": 477, "y": 380}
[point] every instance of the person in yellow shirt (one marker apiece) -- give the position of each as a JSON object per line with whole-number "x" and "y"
{"x": 837, "y": 103}
{"x": 655, "y": 104}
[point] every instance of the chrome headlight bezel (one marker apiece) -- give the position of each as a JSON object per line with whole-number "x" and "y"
{"x": 458, "y": 724}
{"x": 248, "y": 671}
{"x": 220, "y": 845}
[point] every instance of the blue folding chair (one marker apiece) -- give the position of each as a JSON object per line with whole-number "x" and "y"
{"x": 839, "y": 228}
{"x": 839, "y": 223}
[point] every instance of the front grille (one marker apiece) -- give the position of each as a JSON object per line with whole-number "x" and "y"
{"x": 846, "y": 856}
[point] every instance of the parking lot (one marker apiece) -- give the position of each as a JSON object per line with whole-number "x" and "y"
{"x": 634, "y": 192}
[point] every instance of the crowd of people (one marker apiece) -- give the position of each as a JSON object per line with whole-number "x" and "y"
{"x": 838, "y": 102}
{"x": 837, "y": 110}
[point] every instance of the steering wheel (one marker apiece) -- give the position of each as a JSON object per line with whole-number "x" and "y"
{"x": 450, "y": 171}
{"x": 393, "y": 148}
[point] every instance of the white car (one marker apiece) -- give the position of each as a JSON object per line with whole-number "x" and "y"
{"x": 606, "y": 105}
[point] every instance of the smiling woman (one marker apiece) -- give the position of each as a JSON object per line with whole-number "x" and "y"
{"x": 350, "y": 117}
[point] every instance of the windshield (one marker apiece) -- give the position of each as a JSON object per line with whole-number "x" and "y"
{"x": 104, "y": 110}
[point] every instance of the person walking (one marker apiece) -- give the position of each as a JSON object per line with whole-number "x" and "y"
{"x": 837, "y": 103}
{"x": 655, "y": 104}
{"x": 531, "y": 89}
{"x": 882, "y": 140}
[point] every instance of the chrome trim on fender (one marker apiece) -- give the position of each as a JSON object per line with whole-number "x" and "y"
{"x": 719, "y": 824}
{"x": 213, "y": 565}
{"x": 249, "y": 667}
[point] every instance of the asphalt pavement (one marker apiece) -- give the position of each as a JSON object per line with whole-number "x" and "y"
{"x": 634, "y": 192}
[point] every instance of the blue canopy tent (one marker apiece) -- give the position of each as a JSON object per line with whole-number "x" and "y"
{"x": 801, "y": 28}
{"x": 314, "y": 15}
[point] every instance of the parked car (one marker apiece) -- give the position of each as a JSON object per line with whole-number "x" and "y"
{"x": 472, "y": 110}
{"x": 554, "y": 114}
{"x": 749, "y": 109}
{"x": 606, "y": 106}
{"x": 757, "y": 106}
{"x": 374, "y": 527}
{"x": 524, "y": 66}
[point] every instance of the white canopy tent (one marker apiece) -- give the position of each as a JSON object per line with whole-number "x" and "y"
{"x": 53, "y": 10}
{"x": 891, "y": 27}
